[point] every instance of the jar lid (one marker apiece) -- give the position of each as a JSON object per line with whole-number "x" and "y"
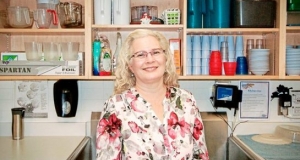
{"x": 48, "y": 1}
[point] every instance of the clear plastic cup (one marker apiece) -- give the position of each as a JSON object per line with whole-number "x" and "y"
{"x": 70, "y": 51}
{"x": 51, "y": 51}
{"x": 33, "y": 51}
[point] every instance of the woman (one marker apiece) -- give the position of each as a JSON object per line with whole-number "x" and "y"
{"x": 149, "y": 117}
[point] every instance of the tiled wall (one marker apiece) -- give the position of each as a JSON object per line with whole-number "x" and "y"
{"x": 92, "y": 95}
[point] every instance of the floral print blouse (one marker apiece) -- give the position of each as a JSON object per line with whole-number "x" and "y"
{"x": 129, "y": 128}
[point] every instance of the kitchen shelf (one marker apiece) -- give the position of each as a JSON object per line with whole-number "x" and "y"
{"x": 252, "y": 31}
{"x": 240, "y": 77}
{"x": 41, "y": 77}
{"x": 132, "y": 27}
{"x": 102, "y": 77}
{"x": 281, "y": 36}
{"x": 42, "y": 31}
{"x": 293, "y": 28}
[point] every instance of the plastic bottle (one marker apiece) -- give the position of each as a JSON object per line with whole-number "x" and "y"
{"x": 115, "y": 56}
{"x": 105, "y": 62}
{"x": 96, "y": 56}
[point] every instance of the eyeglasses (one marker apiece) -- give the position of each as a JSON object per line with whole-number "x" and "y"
{"x": 143, "y": 54}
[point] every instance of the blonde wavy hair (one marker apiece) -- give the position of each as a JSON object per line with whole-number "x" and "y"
{"x": 124, "y": 79}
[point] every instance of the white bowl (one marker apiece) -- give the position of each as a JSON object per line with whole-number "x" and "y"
{"x": 292, "y": 72}
{"x": 259, "y": 58}
{"x": 292, "y": 65}
{"x": 259, "y": 72}
{"x": 292, "y": 62}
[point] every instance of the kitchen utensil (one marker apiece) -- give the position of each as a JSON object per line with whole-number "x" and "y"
{"x": 52, "y": 7}
{"x": 70, "y": 15}
{"x": 42, "y": 18}
{"x": 19, "y": 17}
{"x": 17, "y": 123}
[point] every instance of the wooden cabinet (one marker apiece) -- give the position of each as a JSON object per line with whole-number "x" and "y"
{"x": 276, "y": 38}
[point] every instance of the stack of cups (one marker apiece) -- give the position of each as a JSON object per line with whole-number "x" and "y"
{"x": 224, "y": 53}
{"x": 196, "y": 55}
{"x": 215, "y": 63}
{"x": 214, "y": 44}
{"x": 231, "y": 53}
{"x": 189, "y": 55}
{"x": 239, "y": 46}
{"x": 260, "y": 44}
{"x": 241, "y": 65}
{"x": 205, "y": 55}
{"x": 249, "y": 45}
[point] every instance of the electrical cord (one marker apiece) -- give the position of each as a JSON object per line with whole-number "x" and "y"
{"x": 234, "y": 126}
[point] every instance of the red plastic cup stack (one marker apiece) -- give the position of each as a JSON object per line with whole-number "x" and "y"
{"x": 215, "y": 63}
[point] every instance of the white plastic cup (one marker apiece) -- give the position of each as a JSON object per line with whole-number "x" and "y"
{"x": 230, "y": 41}
{"x": 239, "y": 44}
{"x": 189, "y": 42}
{"x": 196, "y": 53}
{"x": 205, "y": 42}
{"x": 196, "y": 70}
{"x": 197, "y": 42}
{"x": 214, "y": 44}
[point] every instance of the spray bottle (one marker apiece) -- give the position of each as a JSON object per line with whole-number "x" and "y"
{"x": 115, "y": 56}
{"x": 96, "y": 56}
{"x": 105, "y": 60}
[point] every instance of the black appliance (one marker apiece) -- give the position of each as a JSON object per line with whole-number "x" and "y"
{"x": 65, "y": 93}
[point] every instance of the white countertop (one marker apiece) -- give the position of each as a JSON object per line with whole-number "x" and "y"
{"x": 39, "y": 147}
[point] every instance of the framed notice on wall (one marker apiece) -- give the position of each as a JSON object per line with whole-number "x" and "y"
{"x": 255, "y": 100}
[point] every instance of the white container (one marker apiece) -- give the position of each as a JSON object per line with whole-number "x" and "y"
{"x": 102, "y": 11}
{"x": 121, "y": 12}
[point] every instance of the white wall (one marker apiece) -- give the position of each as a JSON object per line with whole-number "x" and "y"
{"x": 92, "y": 95}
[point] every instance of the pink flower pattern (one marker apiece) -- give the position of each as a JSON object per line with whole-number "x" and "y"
{"x": 130, "y": 129}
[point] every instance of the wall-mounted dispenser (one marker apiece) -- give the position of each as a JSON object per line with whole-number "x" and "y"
{"x": 285, "y": 99}
{"x": 65, "y": 93}
{"x": 226, "y": 96}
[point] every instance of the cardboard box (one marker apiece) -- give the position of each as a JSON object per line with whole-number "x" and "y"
{"x": 39, "y": 68}
{"x": 176, "y": 50}
{"x": 15, "y": 63}
{"x": 21, "y": 56}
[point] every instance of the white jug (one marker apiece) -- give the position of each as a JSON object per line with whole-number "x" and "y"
{"x": 121, "y": 12}
{"x": 102, "y": 11}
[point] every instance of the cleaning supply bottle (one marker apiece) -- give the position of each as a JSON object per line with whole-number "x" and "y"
{"x": 105, "y": 60}
{"x": 96, "y": 56}
{"x": 115, "y": 56}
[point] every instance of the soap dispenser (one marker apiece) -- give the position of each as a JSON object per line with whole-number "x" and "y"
{"x": 65, "y": 93}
